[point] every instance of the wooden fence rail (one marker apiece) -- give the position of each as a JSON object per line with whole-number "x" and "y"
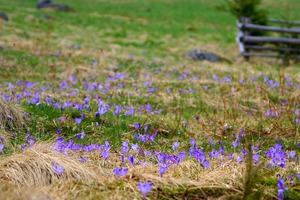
{"x": 284, "y": 22}
{"x": 287, "y": 46}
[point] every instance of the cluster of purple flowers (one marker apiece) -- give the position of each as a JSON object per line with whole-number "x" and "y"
{"x": 198, "y": 154}
{"x": 150, "y": 137}
{"x": 277, "y": 156}
{"x": 121, "y": 172}
{"x": 32, "y": 94}
{"x": 65, "y": 146}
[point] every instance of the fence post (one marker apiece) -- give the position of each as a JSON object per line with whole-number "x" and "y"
{"x": 244, "y": 21}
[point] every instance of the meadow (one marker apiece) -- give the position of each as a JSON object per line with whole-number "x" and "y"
{"x": 102, "y": 103}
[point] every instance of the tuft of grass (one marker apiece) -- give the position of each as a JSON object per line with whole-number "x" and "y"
{"x": 34, "y": 167}
{"x": 11, "y": 116}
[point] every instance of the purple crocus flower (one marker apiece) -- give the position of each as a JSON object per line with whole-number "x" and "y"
{"x": 199, "y": 155}
{"x": 173, "y": 159}
{"x": 151, "y": 90}
{"x": 74, "y": 92}
{"x": 28, "y": 136}
{"x": 214, "y": 154}
{"x": 215, "y": 77}
{"x": 121, "y": 172}
{"x": 181, "y": 156}
{"x": 122, "y": 158}
{"x": 81, "y": 135}
{"x": 161, "y": 157}
{"x": 140, "y": 110}
{"x": 297, "y": 120}
{"x": 270, "y": 113}
{"x": 48, "y": 100}
{"x": 56, "y": 104}
{"x": 148, "y": 83}
{"x": 64, "y": 85}
{"x": 235, "y": 144}
{"x": 31, "y": 141}
{"x": 73, "y": 79}
{"x": 222, "y": 150}
{"x": 131, "y": 160}
{"x": 148, "y": 153}
{"x": 255, "y": 158}
{"x": 58, "y": 169}
{"x": 292, "y": 154}
{"x": 125, "y": 147}
{"x": 244, "y": 151}
{"x": 239, "y": 159}
{"x": 6, "y": 97}
{"x": 175, "y": 145}
{"x": 137, "y": 125}
{"x": 135, "y": 147}
{"x": 148, "y": 107}
{"x": 106, "y": 145}
{"x": 152, "y": 136}
{"x": 27, "y": 94}
{"x": 67, "y": 104}
{"x": 23, "y": 147}
{"x": 146, "y": 127}
{"x": 129, "y": 111}
{"x": 162, "y": 169}
{"x": 78, "y": 120}
{"x": 205, "y": 164}
{"x": 242, "y": 131}
{"x": 281, "y": 188}
{"x": 118, "y": 110}
{"x": 193, "y": 142}
{"x": 145, "y": 187}
{"x": 102, "y": 109}
{"x": 19, "y": 96}
{"x": 105, "y": 153}
{"x": 1, "y": 148}
{"x": 211, "y": 142}
{"x": 35, "y": 99}
{"x": 254, "y": 148}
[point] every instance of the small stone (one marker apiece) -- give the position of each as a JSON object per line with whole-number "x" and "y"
{"x": 44, "y": 4}
{"x": 3, "y": 16}
{"x": 199, "y": 55}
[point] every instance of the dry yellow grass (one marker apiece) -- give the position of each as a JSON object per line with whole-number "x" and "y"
{"x": 30, "y": 175}
{"x": 11, "y": 115}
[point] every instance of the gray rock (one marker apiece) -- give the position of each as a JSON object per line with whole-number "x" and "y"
{"x": 44, "y": 4}
{"x": 199, "y": 55}
{"x": 3, "y": 16}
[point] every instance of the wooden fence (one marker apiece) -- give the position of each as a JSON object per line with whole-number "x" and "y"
{"x": 280, "y": 42}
